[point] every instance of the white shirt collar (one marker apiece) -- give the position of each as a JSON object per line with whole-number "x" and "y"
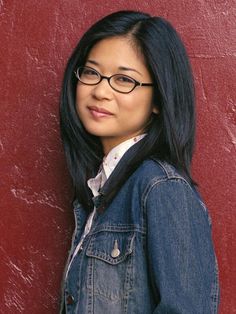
{"x": 109, "y": 163}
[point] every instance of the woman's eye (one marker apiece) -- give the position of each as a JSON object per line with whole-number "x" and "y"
{"x": 89, "y": 72}
{"x": 124, "y": 79}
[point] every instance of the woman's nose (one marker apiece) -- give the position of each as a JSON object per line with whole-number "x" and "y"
{"x": 102, "y": 90}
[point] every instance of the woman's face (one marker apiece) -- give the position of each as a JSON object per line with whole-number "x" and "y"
{"x": 106, "y": 113}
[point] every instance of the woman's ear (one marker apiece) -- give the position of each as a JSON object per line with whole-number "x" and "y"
{"x": 155, "y": 110}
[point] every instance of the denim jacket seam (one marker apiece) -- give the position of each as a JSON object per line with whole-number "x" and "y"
{"x": 215, "y": 292}
{"x": 117, "y": 228}
{"x": 171, "y": 173}
{"x": 158, "y": 180}
{"x": 167, "y": 168}
{"x": 68, "y": 261}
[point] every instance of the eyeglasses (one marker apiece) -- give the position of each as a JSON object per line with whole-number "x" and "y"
{"x": 119, "y": 82}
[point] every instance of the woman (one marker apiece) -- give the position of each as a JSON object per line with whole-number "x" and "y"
{"x": 142, "y": 242}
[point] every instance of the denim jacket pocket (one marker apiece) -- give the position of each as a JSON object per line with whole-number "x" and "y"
{"x": 110, "y": 261}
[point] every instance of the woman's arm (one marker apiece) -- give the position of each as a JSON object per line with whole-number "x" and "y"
{"x": 181, "y": 256}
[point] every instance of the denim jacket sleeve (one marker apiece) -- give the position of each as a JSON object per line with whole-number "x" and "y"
{"x": 181, "y": 256}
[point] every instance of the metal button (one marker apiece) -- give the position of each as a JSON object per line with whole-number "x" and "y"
{"x": 70, "y": 299}
{"x": 115, "y": 252}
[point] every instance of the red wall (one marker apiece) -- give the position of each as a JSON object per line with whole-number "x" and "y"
{"x": 35, "y": 190}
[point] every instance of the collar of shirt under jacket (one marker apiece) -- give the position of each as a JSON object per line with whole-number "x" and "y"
{"x": 110, "y": 162}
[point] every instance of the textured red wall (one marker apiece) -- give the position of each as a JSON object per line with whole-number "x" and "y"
{"x": 35, "y": 190}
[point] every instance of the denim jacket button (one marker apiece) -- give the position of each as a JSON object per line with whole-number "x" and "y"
{"x": 115, "y": 252}
{"x": 70, "y": 299}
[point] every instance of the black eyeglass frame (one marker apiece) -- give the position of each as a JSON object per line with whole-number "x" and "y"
{"x": 108, "y": 78}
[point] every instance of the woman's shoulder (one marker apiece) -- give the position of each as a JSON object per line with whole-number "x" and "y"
{"x": 159, "y": 179}
{"x": 156, "y": 170}
{"x": 156, "y": 174}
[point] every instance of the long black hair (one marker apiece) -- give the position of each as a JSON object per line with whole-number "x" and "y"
{"x": 170, "y": 135}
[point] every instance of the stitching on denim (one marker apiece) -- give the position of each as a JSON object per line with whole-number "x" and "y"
{"x": 90, "y": 285}
{"x": 128, "y": 282}
{"x": 118, "y": 228}
{"x": 157, "y": 181}
{"x": 167, "y": 168}
{"x": 129, "y": 278}
{"x": 215, "y": 289}
{"x": 95, "y": 253}
{"x": 171, "y": 173}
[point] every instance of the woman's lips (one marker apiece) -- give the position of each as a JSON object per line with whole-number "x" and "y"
{"x": 99, "y": 112}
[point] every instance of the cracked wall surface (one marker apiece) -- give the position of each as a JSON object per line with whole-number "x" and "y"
{"x": 35, "y": 189}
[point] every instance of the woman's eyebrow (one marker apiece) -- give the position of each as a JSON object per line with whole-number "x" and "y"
{"x": 122, "y": 68}
{"x": 128, "y": 69}
{"x": 93, "y": 62}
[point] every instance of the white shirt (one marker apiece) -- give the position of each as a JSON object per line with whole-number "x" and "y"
{"x": 108, "y": 165}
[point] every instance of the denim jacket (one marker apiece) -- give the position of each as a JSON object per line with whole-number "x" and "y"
{"x": 150, "y": 251}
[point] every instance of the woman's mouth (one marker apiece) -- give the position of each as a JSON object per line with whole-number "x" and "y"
{"x": 97, "y": 112}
